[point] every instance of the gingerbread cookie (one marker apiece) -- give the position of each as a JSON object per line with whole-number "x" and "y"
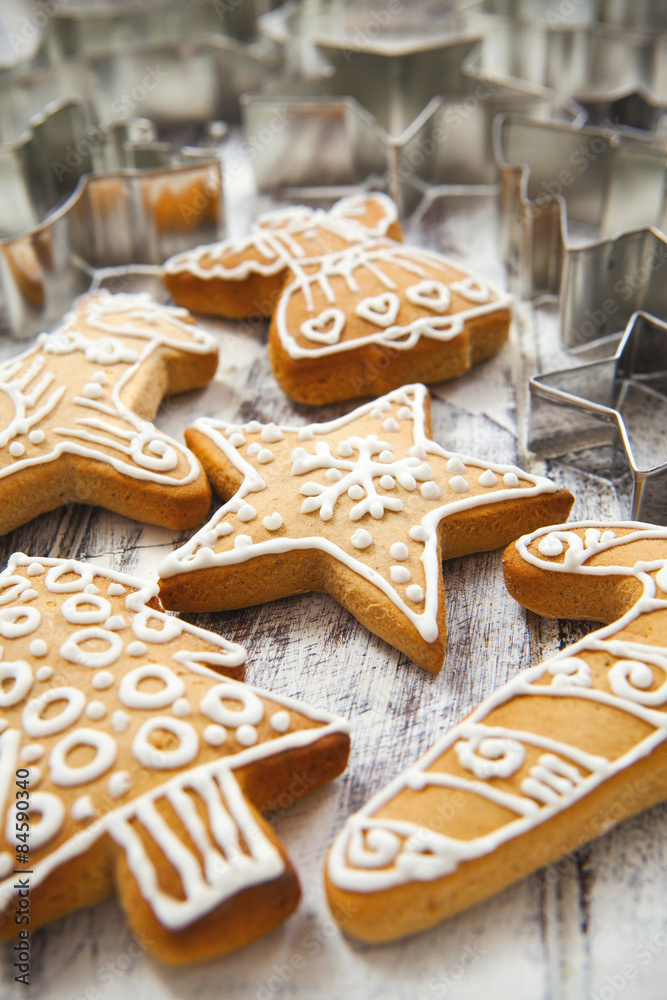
{"x": 239, "y": 278}
{"x": 143, "y": 771}
{"x": 75, "y": 412}
{"x": 364, "y": 508}
{"x": 555, "y": 757}
{"x": 367, "y": 320}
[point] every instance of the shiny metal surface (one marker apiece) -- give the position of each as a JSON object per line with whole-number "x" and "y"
{"x": 608, "y": 417}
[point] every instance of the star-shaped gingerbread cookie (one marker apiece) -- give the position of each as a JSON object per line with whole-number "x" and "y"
{"x": 554, "y": 758}
{"x": 243, "y": 277}
{"x": 129, "y": 764}
{"x": 363, "y": 508}
{"x": 378, "y": 315}
{"x": 75, "y": 414}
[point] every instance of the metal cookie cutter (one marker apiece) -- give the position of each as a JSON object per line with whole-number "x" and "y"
{"x": 577, "y": 207}
{"x": 78, "y": 196}
{"x": 609, "y": 417}
{"x": 401, "y": 110}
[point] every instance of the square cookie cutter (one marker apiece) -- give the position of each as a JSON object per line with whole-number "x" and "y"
{"x": 609, "y": 416}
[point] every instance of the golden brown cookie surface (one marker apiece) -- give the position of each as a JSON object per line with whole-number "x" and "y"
{"x": 555, "y": 757}
{"x": 143, "y": 768}
{"x": 75, "y": 412}
{"x": 364, "y": 508}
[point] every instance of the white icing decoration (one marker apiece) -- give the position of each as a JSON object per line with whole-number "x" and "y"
{"x": 33, "y": 723}
{"x": 17, "y": 622}
{"x": 119, "y": 784}
{"x": 105, "y": 749}
{"x": 165, "y": 760}
{"x": 181, "y": 708}
{"x": 71, "y": 649}
{"x": 455, "y": 466}
{"x": 381, "y": 310}
{"x": 236, "y": 440}
{"x": 280, "y": 721}
{"x": 246, "y": 735}
{"x": 390, "y": 425}
{"x": 132, "y": 696}
{"x": 96, "y": 710}
{"x": 551, "y": 546}
{"x": 215, "y": 735}
{"x": 212, "y": 705}
{"x": 415, "y": 593}
{"x": 271, "y": 434}
{"x": 38, "y": 648}
{"x": 325, "y": 328}
{"x": 83, "y": 809}
{"x": 21, "y": 674}
{"x": 102, "y": 680}
{"x": 490, "y": 757}
{"x": 35, "y": 569}
{"x": 361, "y": 539}
{"x": 418, "y": 533}
{"x": 431, "y": 490}
{"x": 247, "y": 512}
{"x": 29, "y": 595}
{"x": 136, "y": 648}
{"x": 459, "y": 484}
{"x": 16, "y": 449}
{"x": 265, "y": 456}
{"x": 116, "y": 623}
{"x": 44, "y": 673}
{"x": 472, "y": 288}
{"x": 120, "y": 721}
{"x": 387, "y": 482}
{"x": 51, "y": 818}
{"x": 399, "y": 551}
{"x": 31, "y": 752}
{"x": 85, "y": 609}
{"x": 400, "y": 574}
{"x": 115, "y": 590}
{"x": 36, "y": 437}
{"x": 434, "y": 295}
{"x": 511, "y": 480}
{"x": 488, "y": 478}
{"x": 273, "y": 521}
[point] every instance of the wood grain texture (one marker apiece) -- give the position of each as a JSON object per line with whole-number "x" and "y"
{"x": 590, "y": 927}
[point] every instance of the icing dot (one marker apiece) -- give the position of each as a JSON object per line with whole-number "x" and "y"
{"x": 254, "y": 449}
{"x": 418, "y": 451}
{"x": 455, "y": 466}
{"x": 305, "y": 434}
{"x": 418, "y": 533}
{"x": 119, "y": 784}
{"x": 38, "y": 648}
{"x": 90, "y": 588}
{"x": 376, "y": 413}
{"x": 355, "y": 492}
{"x": 253, "y": 426}
{"x": 246, "y": 735}
{"x": 215, "y": 735}
{"x": 115, "y": 623}
{"x": 83, "y": 808}
{"x": 386, "y": 456}
{"x": 400, "y": 574}
{"x": 345, "y": 449}
{"x": 333, "y": 475}
{"x": 459, "y": 484}
{"x": 271, "y": 434}
{"x": 242, "y": 541}
{"x": 29, "y": 595}
{"x": 120, "y": 721}
{"x": 265, "y": 456}
{"x": 92, "y": 390}
{"x": 387, "y": 482}
{"x": 550, "y": 546}
{"x": 488, "y": 478}
{"x": 16, "y": 449}
{"x": 102, "y": 680}
{"x": 361, "y": 539}
{"x": 100, "y": 377}
{"x": 115, "y": 590}
{"x": 405, "y": 413}
{"x": 247, "y": 512}
{"x": 96, "y": 710}
{"x": 181, "y": 707}
{"x": 136, "y": 648}
{"x": 399, "y": 550}
{"x": 280, "y": 721}
{"x": 511, "y": 480}
{"x": 36, "y": 437}
{"x": 236, "y": 440}
{"x": 273, "y": 521}
{"x": 31, "y": 752}
{"x": 415, "y": 593}
{"x": 431, "y": 490}
{"x": 222, "y": 529}
{"x": 35, "y": 775}
{"x": 44, "y": 673}
{"x": 390, "y": 425}
{"x": 35, "y": 569}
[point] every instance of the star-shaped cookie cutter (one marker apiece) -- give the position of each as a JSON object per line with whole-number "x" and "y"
{"x": 406, "y": 110}
{"x": 578, "y": 210}
{"x": 609, "y": 416}
{"x": 79, "y": 196}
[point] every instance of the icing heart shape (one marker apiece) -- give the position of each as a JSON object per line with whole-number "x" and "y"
{"x": 434, "y": 295}
{"x": 380, "y": 309}
{"x": 472, "y": 289}
{"x": 316, "y": 329}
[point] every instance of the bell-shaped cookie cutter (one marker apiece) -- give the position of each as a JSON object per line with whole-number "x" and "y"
{"x": 609, "y": 416}
{"x": 78, "y": 196}
{"x": 577, "y": 210}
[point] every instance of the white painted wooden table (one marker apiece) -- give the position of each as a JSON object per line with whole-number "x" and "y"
{"x": 591, "y": 927}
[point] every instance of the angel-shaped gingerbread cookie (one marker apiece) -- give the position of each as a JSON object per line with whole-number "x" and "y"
{"x": 363, "y": 507}
{"x": 128, "y": 763}
{"x": 243, "y": 277}
{"x": 75, "y": 414}
{"x": 555, "y": 757}
{"x": 377, "y": 316}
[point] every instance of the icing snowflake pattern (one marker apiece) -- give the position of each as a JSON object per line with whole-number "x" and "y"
{"x": 617, "y": 668}
{"x": 124, "y": 674}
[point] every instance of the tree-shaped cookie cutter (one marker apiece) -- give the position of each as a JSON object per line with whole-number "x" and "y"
{"x": 609, "y": 415}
